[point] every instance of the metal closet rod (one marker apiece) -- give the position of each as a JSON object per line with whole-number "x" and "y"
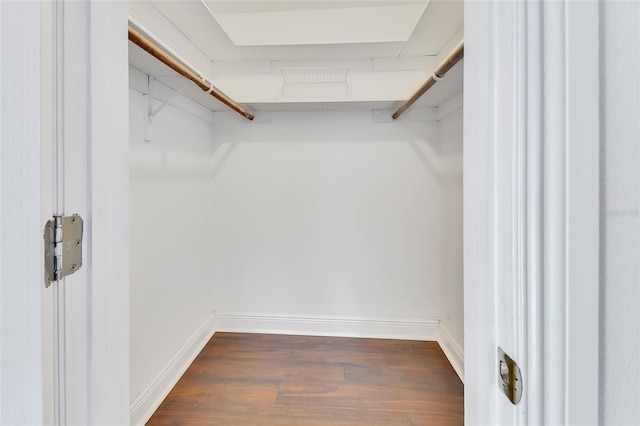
{"x": 440, "y": 71}
{"x": 139, "y": 39}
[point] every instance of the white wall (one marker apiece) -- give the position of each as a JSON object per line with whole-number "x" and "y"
{"x": 327, "y": 216}
{"x": 452, "y": 307}
{"x": 620, "y": 222}
{"x": 314, "y": 222}
{"x": 171, "y": 256}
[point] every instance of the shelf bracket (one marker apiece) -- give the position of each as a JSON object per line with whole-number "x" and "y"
{"x": 152, "y": 113}
{"x": 167, "y": 102}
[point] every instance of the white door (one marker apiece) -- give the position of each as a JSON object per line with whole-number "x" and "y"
{"x": 69, "y": 120}
{"x": 489, "y": 211}
{"x": 88, "y": 114}
{"x": 531, "y": 210}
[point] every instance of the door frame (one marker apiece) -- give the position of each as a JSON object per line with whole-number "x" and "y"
{"x": 551, "y": 103}
{"x": 562, "y": 105}
{"x": 109, "y": 215}
{"x": 21, "y": 243}
{"x": 96, "y": 161}
{"x": 89, "y": 74}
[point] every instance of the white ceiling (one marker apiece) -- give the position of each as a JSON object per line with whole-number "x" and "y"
{"x": 278, "y": 23}
{"x": 357, "y": 32}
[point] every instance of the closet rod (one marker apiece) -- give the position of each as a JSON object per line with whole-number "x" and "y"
{"x": 440, "y": 71}
{"x": 140, "y": 40}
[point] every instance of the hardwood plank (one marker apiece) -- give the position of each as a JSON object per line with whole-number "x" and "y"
{"x": 215, "y": 368}
{"x": 241, "y": 351}
{"x": 202, "y": 392}
{"x": 246, "y": 346}
{"x": 340, "y": 356}
{"x": 376, "y": 398}
{"x": 243, "y": 414}
{"x": 418, "y": 378}
{"x": 439, "y": 420}
{"x": 255, "y": 379}
{"x": 243, "y": 420}
{"x": 436, "y": 359}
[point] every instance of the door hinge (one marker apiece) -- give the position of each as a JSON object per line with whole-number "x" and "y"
{"x": 509, "y": 376}
{"x": 62, "y": 247}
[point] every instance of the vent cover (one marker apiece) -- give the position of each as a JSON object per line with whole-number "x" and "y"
{"x": 328, "y": 83}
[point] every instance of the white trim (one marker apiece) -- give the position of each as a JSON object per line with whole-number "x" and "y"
{"x": 21, "y": 243}
{"x": 452, "y": 351}
{"x": 554, "y": 214}
{"x": 241, "y": 322}
{"x": 147, "y": 402}
{"x": 481, "y": 389}
{"x": 583, "y": 212}
{"x": 94, "y": 301}
{"x": 548, "y": 95}
{"x": 532, "y": 362}
{"x": 574, "y": 232}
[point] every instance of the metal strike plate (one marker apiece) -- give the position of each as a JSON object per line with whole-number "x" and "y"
{"x": 509, "y": 377}
{"x": 63, "y": 247}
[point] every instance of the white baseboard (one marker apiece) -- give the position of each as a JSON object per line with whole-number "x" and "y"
{"x": 423, "y": 329}
{"x": 147, "y": 402}
{"x": 452, "y": 351}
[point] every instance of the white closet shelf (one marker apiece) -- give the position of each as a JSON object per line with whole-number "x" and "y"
{"x": 450, "y": 86}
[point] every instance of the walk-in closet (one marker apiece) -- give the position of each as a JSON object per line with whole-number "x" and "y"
{"x": 291, "y": 189}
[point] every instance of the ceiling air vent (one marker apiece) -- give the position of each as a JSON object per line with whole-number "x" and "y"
{"x": 313, "y": 84}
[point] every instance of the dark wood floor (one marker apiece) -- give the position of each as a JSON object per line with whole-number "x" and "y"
{"x": 256, "y": 379}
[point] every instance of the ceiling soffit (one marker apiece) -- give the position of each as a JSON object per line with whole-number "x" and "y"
{"x": 422, "y": 32}
{"x": 277, "y": 23}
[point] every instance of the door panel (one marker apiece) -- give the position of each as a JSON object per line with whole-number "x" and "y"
{"x": 90, "y": 150}
{"x": 494, "y": 209}
{"x": 531, "y": 209}
{"x": 73, "y": 199}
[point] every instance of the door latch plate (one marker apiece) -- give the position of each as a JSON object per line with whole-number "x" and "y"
{"x": 509, "y": 377}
